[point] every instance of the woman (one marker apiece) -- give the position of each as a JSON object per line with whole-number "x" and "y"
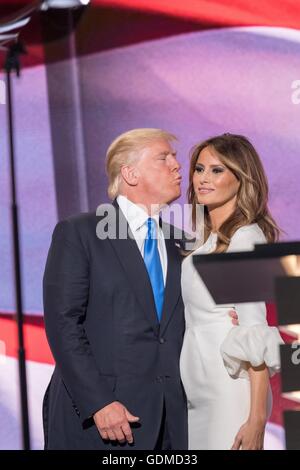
{"x": 225, "y": 369}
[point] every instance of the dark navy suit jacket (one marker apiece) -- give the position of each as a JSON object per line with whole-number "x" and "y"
{"x": 108, "y": 346}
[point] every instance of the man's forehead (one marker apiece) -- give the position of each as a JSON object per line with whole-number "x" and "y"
{"x": 161, "y": 146}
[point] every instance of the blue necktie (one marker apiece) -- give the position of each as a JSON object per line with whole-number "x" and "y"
{"x": 154, "y": 268}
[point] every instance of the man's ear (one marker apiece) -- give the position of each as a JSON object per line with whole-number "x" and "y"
{"x": 130, "y": 175}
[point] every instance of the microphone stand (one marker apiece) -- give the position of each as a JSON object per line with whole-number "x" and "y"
{"x": 12, "y": 64}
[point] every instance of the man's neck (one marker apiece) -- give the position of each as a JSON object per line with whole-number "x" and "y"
{"x": 150, "y": 208}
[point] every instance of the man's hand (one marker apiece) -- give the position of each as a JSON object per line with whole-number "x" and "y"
{"x": 234, "y": 317}
{"x": 112, "y": 422}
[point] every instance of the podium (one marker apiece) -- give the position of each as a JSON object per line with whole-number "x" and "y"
{"x": 246, "y": 276}
{"x": 269, "y": 273}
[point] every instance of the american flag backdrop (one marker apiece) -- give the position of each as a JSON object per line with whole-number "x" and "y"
{"x": 195, "y": 68}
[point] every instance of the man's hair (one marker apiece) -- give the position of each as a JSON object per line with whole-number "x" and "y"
{"x": 125, "y": 149}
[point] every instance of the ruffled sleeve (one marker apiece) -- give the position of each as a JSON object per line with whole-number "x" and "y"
{"x": 253, "y": 341}
{"x": 256, "y": 344}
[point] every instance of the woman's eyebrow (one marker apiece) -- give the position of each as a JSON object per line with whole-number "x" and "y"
{"x": 212, "y": 166}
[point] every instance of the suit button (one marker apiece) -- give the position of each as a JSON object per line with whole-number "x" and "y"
{"x": 162, "y": 340}
{"x": 76, "y": 410}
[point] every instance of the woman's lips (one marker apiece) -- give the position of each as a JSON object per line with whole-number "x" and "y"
{"x": 205, "y": 190}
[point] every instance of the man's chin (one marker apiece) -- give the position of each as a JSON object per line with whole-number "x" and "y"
{"x": 174, "y": 197}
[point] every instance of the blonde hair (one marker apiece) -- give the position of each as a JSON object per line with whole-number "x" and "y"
{"x": 239, "y": 155}
{"x": 125, "y": 149}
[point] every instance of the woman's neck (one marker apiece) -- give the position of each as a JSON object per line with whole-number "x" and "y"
{"x": 219, "y": 214}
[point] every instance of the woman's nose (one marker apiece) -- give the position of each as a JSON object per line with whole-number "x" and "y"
{"x": 204, "y": 177}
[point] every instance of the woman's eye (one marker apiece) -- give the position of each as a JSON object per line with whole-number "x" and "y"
{"x": 198, "y": 169}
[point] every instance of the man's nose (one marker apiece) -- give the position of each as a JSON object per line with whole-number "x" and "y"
{"x": 176, "y": 166}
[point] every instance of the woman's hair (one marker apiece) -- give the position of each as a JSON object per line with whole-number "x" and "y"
{"x": 239, "y": 155}
{"x": 125, "y": 149}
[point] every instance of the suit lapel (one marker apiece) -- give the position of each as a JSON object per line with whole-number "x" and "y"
{"x": 133, "y": 264}
{"x": 173, "y": 287}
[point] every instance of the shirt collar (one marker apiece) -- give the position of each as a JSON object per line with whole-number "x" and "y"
{"x": 135, "y": 215}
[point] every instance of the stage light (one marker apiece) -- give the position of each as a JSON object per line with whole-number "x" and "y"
{"x": 291, "y": 265}
{"x": 64, "y": 4}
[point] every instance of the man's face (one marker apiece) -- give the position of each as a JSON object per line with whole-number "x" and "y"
{"x": 158, "y": 174}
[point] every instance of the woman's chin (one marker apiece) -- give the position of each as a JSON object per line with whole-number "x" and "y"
{"x": 203, "y": 200}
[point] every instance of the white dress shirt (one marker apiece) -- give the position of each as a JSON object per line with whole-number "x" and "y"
{"x": 137, "y": 221}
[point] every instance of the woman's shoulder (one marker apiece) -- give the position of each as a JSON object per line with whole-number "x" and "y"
{"x": 246, "y": 237}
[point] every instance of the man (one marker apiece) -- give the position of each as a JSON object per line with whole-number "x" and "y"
{"x": 114, "y": 314}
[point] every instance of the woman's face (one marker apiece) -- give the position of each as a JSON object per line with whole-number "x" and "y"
{"x": 214, "y": 184}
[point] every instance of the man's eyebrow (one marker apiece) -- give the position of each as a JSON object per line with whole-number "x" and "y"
{"x": 166, "y": 152}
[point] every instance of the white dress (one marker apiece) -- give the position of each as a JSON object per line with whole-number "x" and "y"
{"x": 214, "y": 352}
